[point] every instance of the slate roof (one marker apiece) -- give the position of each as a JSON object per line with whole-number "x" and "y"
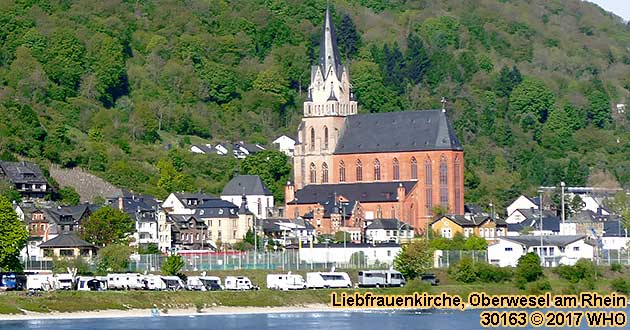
{"x": 397, "y": 132}
{"x": 362, "y": 192}
{"x": 246, "y": 185}
{"x": 551, "y": 223}
{"x": 66, "y": 240}
{"x": 273, "y": 225}
{"x": 614, "y": 229}
{"x": 548, "y": 240}
{"x": 204, "y": 148}
{"x": 216, "y": 208}
{"x": 466, "y": 221}
{"x": 22, "y": 172}
{"x": 389, "y": 224}
{"x": 62, "y": 214}
{"x": 328, "y": 50}
{"x": 587, "y": 216}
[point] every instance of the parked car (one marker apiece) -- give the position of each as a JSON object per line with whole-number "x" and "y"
{"x": 380, "y": 278}
{"x": 239, "y": 283}
{"x": 430, "y": 278}
{"x": 285, "y": 282}
{"x": 333, "y": 279}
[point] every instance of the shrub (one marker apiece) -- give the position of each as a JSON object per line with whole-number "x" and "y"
{"x": 528, "y": 268}
{"x": 464, "y": 271}
{"x": 616, "y": 267}
{"x": 582, "y": 270}
{"x": 492, "y": 274}
{"x": 538, "y": 287}
{"x": 620, "y": 285}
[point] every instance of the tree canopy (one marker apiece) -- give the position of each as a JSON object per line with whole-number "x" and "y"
{"x": 14, "y": 236}
{"x": 107, "y": 226}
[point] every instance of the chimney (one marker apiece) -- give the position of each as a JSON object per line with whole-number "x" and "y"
{"x": 400, "y": 193}
{"x": 289, "y": 192}
{"x": 120, "y": 203}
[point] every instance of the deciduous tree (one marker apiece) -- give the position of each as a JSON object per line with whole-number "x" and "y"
{"x": 13, "y": 236}
{"x": 414, "y": 258}
{"x": 107, "y": 226}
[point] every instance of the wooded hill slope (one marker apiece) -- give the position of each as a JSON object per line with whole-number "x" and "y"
{"x": 108, "y": 85}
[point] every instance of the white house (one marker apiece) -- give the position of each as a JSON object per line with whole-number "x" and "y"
{"x": 336, "y": 254}
{"x": 201, "y": 149}
{"x": 615, "y": 236}
{"x": 553, "y": 250}
{"x": 185, "y": 203}
{"x": 388, "y": 230}
{"x": 590, "y": 203}
{"x": 285, "y": 144}
{"x": 242, "y": 150}
{"x": 287, "y": 231}
{"x": 259, "y": 198}
{"x": 222, "y": 149}
{"x": 522, "y": 202}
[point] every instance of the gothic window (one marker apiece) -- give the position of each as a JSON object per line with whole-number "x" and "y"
{"x": 428, "y": 173}
{"x": 377, "y": 170}
{"x": 359, "y": 171}
{"x": 324, "y": 173}
{"x": 396, "y": 169}
{"x": 443, "y": 182}
{"x": 342, "y": 171}
{"x": 457, "y": 177}
{"x": 313, "y": 172}
{"x": 312, "y": 146}
{"x": 326, "y": 137}
{"x": 414, "y": 168}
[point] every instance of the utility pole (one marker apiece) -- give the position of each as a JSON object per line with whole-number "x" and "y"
{"x": 540, "y": 214}
{"x": 562, "y": 199}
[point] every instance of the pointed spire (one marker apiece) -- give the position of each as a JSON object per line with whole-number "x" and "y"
{"x": 328, "y": 52}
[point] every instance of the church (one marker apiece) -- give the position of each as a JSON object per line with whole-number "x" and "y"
{"x": 352, "y": 168}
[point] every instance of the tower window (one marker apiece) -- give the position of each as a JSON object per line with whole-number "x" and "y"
{"x": 324, "y": 173}
{"x": 443, "y": 182}
{"x": 312, "y": 146}
{"x": 377, "y": 170}
{"x": 342, "y": 171}
{"x": 325, "y": 137}
{"x": 396, "y": 169}
{"x": 359, "y": 171}
{"x": 313, "y": 173}
{"x": 414, "y": 168}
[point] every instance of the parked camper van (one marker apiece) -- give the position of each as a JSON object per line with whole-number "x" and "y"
{"x": 380, "y": 278}
{"x": 40, "y": 282}
{"x": 63, "y": 282}
{"x": 204, "y": 283}
{"x": 173, "y": 283}
{"x": 328, "y": 280}
{"x": 128, "y": 281}
{"x": 285, "y": 282}
{"x": 239, "y": 283}
{"x": 92, "y": 283}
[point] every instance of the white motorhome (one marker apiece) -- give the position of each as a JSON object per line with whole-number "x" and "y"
{"x": 63, "y": 282}
{"x": 328, "y": 280}
{"x": 40, "y": 282}
{"x": 285, "y": 282}
{"x": 204, "y": 283}
{"x": 127, "y": 281}
{"x": 173, "y": 283}
{"x": 239, "y": 283}
{"x": 154, "y": 282}
{"x": 91, "y": 283}
{"x": 380, "y": 278}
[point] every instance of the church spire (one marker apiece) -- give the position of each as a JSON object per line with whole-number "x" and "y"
{"x": 328, "y": 52}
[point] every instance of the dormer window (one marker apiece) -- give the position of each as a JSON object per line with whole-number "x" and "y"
{"x": 220, "y": 211}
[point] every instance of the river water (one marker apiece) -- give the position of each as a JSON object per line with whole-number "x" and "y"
{"x": 363, "y": 320}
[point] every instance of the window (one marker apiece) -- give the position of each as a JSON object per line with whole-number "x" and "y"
{"x": 324, "y": 173}
{"x": 576, "y": 248}
{"x": 414, "y": 168}
{"x": 313, "y": 172}
{"x": 379, "y": 212}
{"x": 396, "y": 169}
{"x": 325, "y": 137}
{"x": 457, "y": 177}
{"x": 377, "y": 170}
{"x": 443, "y": 182}
{"x": 234, "y": 223}
{"x": 447, "y": 233}
{"x": 312, "y": 146}
{"x": 234, "y": 234}
{"x": 342, "y": 171}
{"x": 219, "y": 235}
{"x": 508, "y": 249}
{"x": 359, "y": 171}
{"x": 428, "y": 172}
{"x": 259, "y": 206}
{"x": 66, "y": 253}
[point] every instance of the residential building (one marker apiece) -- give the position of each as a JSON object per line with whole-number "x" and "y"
{"x": 202, "y": 149}
{"x": 328, "y": 255}
{"x": 66, "y": 245}
{"x": 259, "y": 198}
{"x": 522, "y": 202}
{"x": 553, "y": 250}
{"x": 185, "y": 203}
{"x": 337, "y": 146}
{"x": 287, "y": 231}
{"x": 27, "y": 178}
{"x": 285, "y": 144}
{"x": 67, "y": 218}
{"x": 388, "y": 231}
{"x": 520, "y": 215}
{"x": 142, "y": 209}
{"x": 242, "y": 150}
{"x": 614, "y": 237}
{"x": 532, "y": 225}
{"x": 482, "y": 226}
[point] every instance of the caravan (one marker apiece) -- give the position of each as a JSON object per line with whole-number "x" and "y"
{"x": 204, "y": 283}
{"x": 92, "y": 283}
{"x": 380, "y": 278}
{"x": 63, "y": 282}
{"x": 128, "y": 281}
{"x": 239, "y": 283}
{"x": 40, "y": 282}
{"x": 285, "y": 282}
{"x": 328, "y": 280}
{"x": 158, "y": 283}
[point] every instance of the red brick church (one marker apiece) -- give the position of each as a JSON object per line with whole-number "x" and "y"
{"x": 350, "y": 168}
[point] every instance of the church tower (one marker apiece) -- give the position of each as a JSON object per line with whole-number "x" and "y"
{"x": 329, "y": 100}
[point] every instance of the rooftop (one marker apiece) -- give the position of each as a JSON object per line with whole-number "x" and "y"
{"x": 362, "y": 192}
{"x": 246, "y": 185}
{"x": 66, "y": 240}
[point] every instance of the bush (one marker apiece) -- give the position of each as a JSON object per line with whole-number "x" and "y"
{"x": 467, "y": 271}
{"x": 492, "y": 274}
{"x": 538, "y": 287}
{"x": 616, "y": 267}
{"x": 582, "y": 270}
{"x": 417, "y": 285}
{"x": 464, "y": 271}
{"x": 528, "y": 269}
{"x": 620, "y": 285}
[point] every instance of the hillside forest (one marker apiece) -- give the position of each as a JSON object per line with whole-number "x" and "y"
{"x": 123, "y": 88}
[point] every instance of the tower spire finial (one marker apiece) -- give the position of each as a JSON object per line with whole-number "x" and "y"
{"x": 328, "y": 51}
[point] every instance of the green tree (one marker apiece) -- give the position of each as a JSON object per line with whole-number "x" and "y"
{"x": 114, "y": 258}
{"x": 172, "y": 265}
{"x": 475, "y": 243}
{"x": 414, "y": 258}
{"x": 463, "y": 271}
{"x": 599, "y": 108}
{"x": 416, "y": 59}
{"x": 150, "y": 248}
{"x": 348, "y": 38}
{"x": 14, "y": 236}
{"x": 69, "y": 196}
{"x": 7, "y": 189}
{"x": 220, "y": 81}
{"x": 107, "y": 63}
{"x": 107, "y": 226}
{"x": 272, "y": 167}
{"x": 273, "y": 83}
{"x": 65, "y": 61}
{"x": 507, "y": 80}
{"x": 342, "y": 236}
{"x": 532, "y": 97}
{"x": 528, "y": 269}
{"x": 621, "y": 205}
{"x": 557, "y": 132}
{"x": 171, "y": 179}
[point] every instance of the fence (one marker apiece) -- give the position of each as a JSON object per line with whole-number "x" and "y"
{"x": 607, "y": 257}
{"x": 445, "y": 258}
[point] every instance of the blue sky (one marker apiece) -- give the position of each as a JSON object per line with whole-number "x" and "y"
{"x": 619, "y": 7}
